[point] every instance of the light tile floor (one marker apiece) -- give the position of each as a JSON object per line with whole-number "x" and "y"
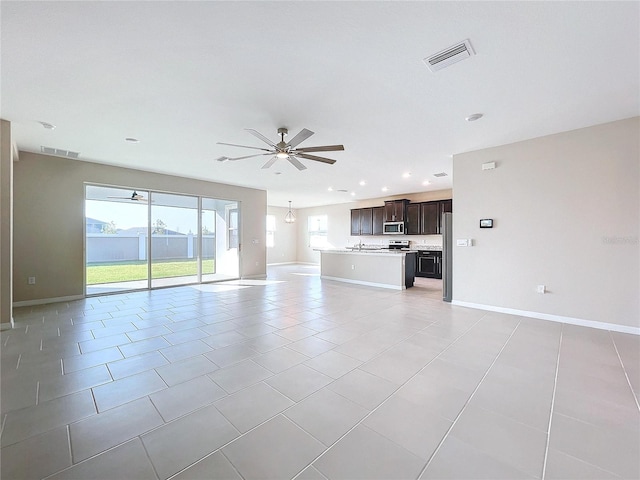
{"x": 296, "y": 377}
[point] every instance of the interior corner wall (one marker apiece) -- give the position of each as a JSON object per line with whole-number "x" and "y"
{"x": 6, "y": 222}
{"x": 566, "y": 211}
{"x": 49, "y": 220}
{"x": 284, "y": 249}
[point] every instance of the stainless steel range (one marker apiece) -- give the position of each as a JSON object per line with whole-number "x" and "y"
{"x": 398, "y": 244}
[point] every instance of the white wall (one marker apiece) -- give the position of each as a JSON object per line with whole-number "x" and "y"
{"x": 566, "y": 209}
{"x": 285, "y": 245}
{"x": 49, "y": 220}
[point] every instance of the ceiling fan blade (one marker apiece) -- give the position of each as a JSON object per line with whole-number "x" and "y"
{"x": 243, "y": 146}
{"x": 317, "y": 159}
{"x": 249, "y": 156}
{"x": 260, "y": 136}
{"x": 300, "y": 137}
{"x": 325, "y": 148}
{"x": 296, "y": 163}
{"x": 270, "y": 162}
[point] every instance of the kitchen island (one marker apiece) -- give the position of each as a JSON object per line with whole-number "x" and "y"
{"x": 376, "y": 268}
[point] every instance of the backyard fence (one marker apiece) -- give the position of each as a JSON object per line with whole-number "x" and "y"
{"x": 104, "y": 247}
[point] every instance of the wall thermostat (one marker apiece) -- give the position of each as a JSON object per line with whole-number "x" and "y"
{"x": 486, "y": 223}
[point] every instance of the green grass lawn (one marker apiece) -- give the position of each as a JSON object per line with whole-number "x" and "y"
{"x": 128, "y": 271}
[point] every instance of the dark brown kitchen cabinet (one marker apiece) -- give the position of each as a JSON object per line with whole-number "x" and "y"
{"x": 446, "y": 206}
{"x": 378, "y": 220}
{"x": 362, "y": 221}
{"x": 413, "y": 219}
{"x": 430, "y": 218}
{"x": 394, "y": 210}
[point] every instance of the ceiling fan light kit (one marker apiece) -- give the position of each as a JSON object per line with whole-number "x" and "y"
{"x": 285, "y": 150}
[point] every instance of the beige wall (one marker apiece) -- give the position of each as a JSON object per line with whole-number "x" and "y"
{"x": 49, "y": 220}
{"x": 566, "y": 211}
{"x": 6, "y": 222}
{"x": 285, "y": 244}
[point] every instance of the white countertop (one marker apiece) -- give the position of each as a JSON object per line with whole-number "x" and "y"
{"x": 369, "y": 251}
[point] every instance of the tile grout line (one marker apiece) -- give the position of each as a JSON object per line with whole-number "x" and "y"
{"x": 219, "y": 449}
{"x": 553, "y": 401}
{"x": 384, "y": 401}
{"x": 624, "y": 370}
{"x": 453, "y": 424}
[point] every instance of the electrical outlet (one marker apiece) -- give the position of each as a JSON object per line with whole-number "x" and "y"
{"x": 542, "y": 289}
{"x": 353, "y": 267}
{"x": 32, "y": 280}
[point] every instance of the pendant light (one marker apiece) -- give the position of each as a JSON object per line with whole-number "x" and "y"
{"x": 289, "y": 217}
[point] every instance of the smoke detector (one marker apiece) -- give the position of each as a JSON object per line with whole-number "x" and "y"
{"x": 449, "y": 56}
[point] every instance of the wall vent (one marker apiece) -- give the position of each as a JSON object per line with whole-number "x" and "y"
{"x": 441, "y": 174}
{"x": 59, "y": 152}
{"x": 449, "y": 56}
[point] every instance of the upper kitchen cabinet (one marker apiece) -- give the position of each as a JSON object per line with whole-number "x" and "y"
{"x": 446, "y": 206}
{"x": 362, "y": 221}
{"x": 413, "y": 219}
{"x": 394, "y": 210}
{"x": 431, "y": 215}
{"x": 378, "y": 220}
{"x": 430, "y": 218}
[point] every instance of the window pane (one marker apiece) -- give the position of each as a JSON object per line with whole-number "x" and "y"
{"x": 271, "y": 228}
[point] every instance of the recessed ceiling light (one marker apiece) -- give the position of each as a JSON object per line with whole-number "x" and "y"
{"x": 406, "y": 175}
{"x": 426, "y": 182}
{"x": 474, "y": 117}
{"x": 330, "y": 189}
{"x": 384, "y": 189}
{"x": 353, "y": 194}
{"x": 131, "y": 140}
{"x": 48, "y": 126}
{"x": 362, "y": 183}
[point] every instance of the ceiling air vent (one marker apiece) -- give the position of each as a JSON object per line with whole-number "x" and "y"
{"x": 449, "y": 56}
{"x": 59, "y": 152}
{"x": 441, "y": 174}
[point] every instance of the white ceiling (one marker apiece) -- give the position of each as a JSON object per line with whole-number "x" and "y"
{"x": 181, "y": 76}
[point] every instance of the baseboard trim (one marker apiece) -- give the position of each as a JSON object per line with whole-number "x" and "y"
{"x": 552, "y": 318}
{"x": 44, "y": 301}
{"x": 360, "y": 282}
{"x": 6, "y": 325}
{"x": 281, "y": 263}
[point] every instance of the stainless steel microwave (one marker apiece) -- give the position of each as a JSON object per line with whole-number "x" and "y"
{"x": 393, "y": 228}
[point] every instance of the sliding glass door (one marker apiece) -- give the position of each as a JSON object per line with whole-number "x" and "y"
{"x": 140, "y": 239}
{"x": 174, "y": 239}
{"x": 116, "y": 226}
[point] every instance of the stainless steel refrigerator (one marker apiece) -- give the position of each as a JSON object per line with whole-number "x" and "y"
{"x": 447, "y": 256}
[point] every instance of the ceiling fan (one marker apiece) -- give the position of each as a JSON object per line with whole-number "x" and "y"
{"x": 135, "y": 196}
{"x": 286, "y": 150}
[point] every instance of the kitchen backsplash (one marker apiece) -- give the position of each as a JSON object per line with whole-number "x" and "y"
{"x": 425, "y": 242}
